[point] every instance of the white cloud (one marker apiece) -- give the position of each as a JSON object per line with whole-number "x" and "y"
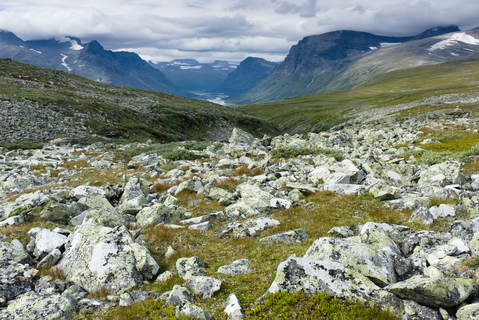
{"x": 223, "y": 29}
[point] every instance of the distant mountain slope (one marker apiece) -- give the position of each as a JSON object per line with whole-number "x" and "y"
{"x": 249, "y": 73}
{"x": 40, "y": 104}
{"x": 316, "y": 60}
{"x": 90, "y": 60}
{"x": 191, "y": 76}
{"x": 404, "y": 92}
{"x": 430, "y": 51}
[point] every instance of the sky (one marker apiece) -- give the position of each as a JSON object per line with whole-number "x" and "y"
{"x": 209, "y": 30}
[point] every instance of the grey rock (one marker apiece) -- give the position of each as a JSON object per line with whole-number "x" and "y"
{"x": 232, "y": 308}
{"x": 236, "y": 267}
{"x": 192, "y": 310}
{"x": 435, "y": 293}
{"x": 468, "y": 312}
{"x": 293, "y": 236}
{"x": 91, "y": 305}
{"x": 34, "y": 306}
{"x": 422, "y": 215}
{"x": 160, "y": 213}
{"x": 190, "y": 267}
{"x": 46, "y": 241}
{"x": 248, "y": 228}
{"x": 102, "y": 257}
{"x": 375, "y": 264}
{"x": 240, "y": 136}
{"x": 204, "y": 286}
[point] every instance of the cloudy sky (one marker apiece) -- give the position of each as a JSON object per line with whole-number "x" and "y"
{"x": 207, "y": 30}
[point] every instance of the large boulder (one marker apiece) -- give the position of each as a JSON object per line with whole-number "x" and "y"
{"x": 34, "y": 306}
{"x": 313, "y": 276}
{"x": 17, "y": 275}
{"x": 160, "y": 213}
{"x": 103, "y": 257}
{"x": 442, "y": 174}
{"x": 434, "y": 292}
{"x": 373, "y": 262}
{"x": 240, "y": 136}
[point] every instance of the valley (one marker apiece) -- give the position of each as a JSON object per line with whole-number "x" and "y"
{"x": 352, "y": 195}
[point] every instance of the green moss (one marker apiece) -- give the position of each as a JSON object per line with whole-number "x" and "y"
{"x": 282, "y": 305}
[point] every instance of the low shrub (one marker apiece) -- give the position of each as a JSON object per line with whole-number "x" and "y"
{"x": 282, "y": 305}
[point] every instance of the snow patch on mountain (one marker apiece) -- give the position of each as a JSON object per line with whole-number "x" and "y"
{"x": 39, "y": 52}
{"x": 388, "y": 44}
{"x": 74, "y": 43}
{"x": 189, "y": 67}
{"x": 64, "y": 58}
{"x": 453, "y": 40}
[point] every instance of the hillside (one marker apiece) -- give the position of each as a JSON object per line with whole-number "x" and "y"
{"x": 41, "y": 104}
{"x": 88, "y": 60}
{"x": 342, "y": 59}
{"x": 404, "y": 92}
{"x": 249, "y": 73}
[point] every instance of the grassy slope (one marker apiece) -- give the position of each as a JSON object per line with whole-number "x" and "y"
{"x": 121, "y": 112}
{"x": 299, "y": 114}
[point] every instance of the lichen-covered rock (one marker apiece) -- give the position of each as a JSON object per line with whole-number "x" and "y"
{"x": 102, "y": 257}
{"x": 240, "y": 210}
{"x": 232, "y": 308}
{"x": 313, "y": 276}
{"x": 422, "y": 215}
{"x": 379, "y": 189}
{"x": 442, "y": 174}
{"x": 236, "y": 267}
{"x": 204, "y": 286}
{"x": 468, "y": 312}
{"x": 45, "y": 241}
{"x": 240, "y": 136}
{"x": 375, "y": 264}
{"x": 192, "y": 310}
{"x": 16, "y": 275}
{"x": 435, "y": 293}
{"x": 86, "y": 191}
{"x": 60, "y": 213}
{"x": 134, "y": 197}
{"x": 34, "y": 306}
{"x": 417, "y": 311}
{"x": 468, "y": 204}
{"x": 293, "y": 236}
{"x": 249, "y": 228}
{"x": 160, "y": 213}
{"x": 190, "y": 267}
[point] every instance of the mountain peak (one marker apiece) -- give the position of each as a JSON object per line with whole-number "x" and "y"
{"x": 437, "y": 31}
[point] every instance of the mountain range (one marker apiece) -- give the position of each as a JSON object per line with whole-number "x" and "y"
{"x": 191, "y": 76}
{"x": 347, "y": 59}
{"x": 89, "y": 60}
{"x": 319, "y": 63}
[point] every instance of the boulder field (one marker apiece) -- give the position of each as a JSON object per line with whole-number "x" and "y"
{"x": 412, "y": 272}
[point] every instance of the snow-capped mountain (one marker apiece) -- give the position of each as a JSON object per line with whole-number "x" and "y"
{"x": 346, "y": 59}
{"x": 89, "y": 60}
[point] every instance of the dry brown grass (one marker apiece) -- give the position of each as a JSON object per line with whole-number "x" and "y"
{"x": 229, "y": 184}
{"x": 243, "y": 169}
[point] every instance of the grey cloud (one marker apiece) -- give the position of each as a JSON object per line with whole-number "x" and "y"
{"x": 359, "y": 9}
{"x": 306, "y": 10}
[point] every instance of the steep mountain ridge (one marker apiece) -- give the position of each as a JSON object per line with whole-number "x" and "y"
{"x": 90, "y": 60}
{"x": 249, "y": 73}
{"x": 316, "y": 60}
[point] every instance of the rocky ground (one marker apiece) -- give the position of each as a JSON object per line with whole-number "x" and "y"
{"x": 93, "y": 233}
